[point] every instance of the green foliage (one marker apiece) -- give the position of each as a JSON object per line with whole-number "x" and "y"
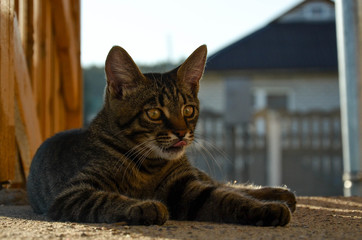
{"x": 94, "y": 81}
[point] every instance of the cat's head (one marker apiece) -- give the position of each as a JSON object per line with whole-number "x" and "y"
{"x": 155, "y": 113}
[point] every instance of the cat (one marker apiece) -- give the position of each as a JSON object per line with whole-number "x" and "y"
{"x": 130, "y": 163}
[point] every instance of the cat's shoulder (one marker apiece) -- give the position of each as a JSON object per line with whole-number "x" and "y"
{"x": 65, "y": 138}
{"x": 68, "y": 135}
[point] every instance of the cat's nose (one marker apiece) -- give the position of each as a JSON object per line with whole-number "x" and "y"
{"x": 180, "y": 133}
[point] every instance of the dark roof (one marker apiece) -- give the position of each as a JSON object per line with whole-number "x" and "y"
{"x": 294, "y": 45}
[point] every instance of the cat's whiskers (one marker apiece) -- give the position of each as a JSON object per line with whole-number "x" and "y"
{"x": 205, "y": 153}
{"x": 204, "y": 157}
{"x": 204, "y": 141}
{"x": 201, "y": 148}
{"x": 144, "y": 156}
{"x": 136, "y": 156}
{"x": 127, "y": 157}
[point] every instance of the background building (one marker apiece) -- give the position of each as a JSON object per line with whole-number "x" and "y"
{"x": 290, "y": 64}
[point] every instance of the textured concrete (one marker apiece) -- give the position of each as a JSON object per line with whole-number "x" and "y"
{"x": 315, "y": 218}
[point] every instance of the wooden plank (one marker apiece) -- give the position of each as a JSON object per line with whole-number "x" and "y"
{"x": 37, "y": 73}
{"x": 38, "y": 77}
{"x": 19, "y": 178}
{"x": 73, "y": 119}
{"x": 15, "y": 6}
{"x": 77, "y": 24}
{"x": 22, "y": 139}
{"x": 58, "y": 102}
{"x": 47, "y": 81}
{"x": 76, "y": 19}
{"x": 7, "y": 122}
{"x": 26, "y": 17}
{"x": 12, "y": 69}
{"x": 28, "y": 133}
{"x": 55, "y": 88}
{"x": 66, "y": 42}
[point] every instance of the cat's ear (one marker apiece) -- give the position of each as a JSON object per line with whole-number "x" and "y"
{"x": 191, "y": 71}
{"x": 122, "y": 73}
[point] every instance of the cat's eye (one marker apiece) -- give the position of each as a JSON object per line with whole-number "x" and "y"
{"x": 188, "y": 111}
{"x": 154, "y": 114}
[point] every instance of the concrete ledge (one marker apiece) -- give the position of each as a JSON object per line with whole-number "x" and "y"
{"x": 315, "y": 218}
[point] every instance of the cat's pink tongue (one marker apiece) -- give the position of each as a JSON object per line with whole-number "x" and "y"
{"x": 179, "y": 144}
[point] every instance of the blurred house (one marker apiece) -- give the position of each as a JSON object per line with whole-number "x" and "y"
{"x": 290, "y": 64}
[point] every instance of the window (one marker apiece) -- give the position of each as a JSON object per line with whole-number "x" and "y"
{"x": 316, "y": 11}
{"x": 277, "y": 98}
{"x": 277, "y": 102}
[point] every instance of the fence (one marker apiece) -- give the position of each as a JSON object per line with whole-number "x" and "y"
{"x": 40, "y": 78}
{"x": 300, "y": 150}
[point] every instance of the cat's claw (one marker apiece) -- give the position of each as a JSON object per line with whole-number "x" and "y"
{"x": 271, "y": 214}
{"x": 275, "y": 194}
{"x": 147, "y": 213}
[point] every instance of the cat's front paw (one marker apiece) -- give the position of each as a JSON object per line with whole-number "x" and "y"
{"x": 275, "y": 194}
{"x": 284, "y": 195}
{"x": 147, "y": 213}
{"x": 270, "y": 214}
{"x": 288, "y": 197}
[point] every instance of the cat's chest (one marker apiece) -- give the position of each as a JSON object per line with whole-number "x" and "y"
{"x": 145, "y": 184}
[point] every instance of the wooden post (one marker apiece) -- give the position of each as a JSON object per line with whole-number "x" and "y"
{"x": 48, "y": 71}
{"x": 231, "y": 150}
{"x": 66, "y": 23}
{"x": 28, "y": 133}
{"x": 7, "y": 122}
{"x": 40, "y": 76}
{"x": 274, "y": 149}
{"x": 246, "y": 152}
{"x": 26, "y": 26}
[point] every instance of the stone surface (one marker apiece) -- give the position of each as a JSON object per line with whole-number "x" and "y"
{"x": 315, "y": 218}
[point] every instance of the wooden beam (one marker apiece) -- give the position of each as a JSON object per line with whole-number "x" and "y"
{"x": 78, "y": 121}
{"x": 7, "y": 122}
{"x": 28, "y": 133}
{"x": 38, "y": 78}
{"x": 67, "y": 49}
{"x": 48, "y": 70}
{"x": 58, "y": 101}
{"x": 26, "y": 24}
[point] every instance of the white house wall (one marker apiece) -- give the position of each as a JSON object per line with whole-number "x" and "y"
{"x": 312, "y": 11}
{"x": 211, "y": 94}
{"x": 305, "y": 93}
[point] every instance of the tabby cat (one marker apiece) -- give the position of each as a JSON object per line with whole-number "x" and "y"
{"x": 130, "y": 164}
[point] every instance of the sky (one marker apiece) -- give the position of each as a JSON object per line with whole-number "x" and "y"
{"x": 155, "y": 31}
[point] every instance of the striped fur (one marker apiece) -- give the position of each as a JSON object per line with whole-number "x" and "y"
{"x": 129, "y": 164}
